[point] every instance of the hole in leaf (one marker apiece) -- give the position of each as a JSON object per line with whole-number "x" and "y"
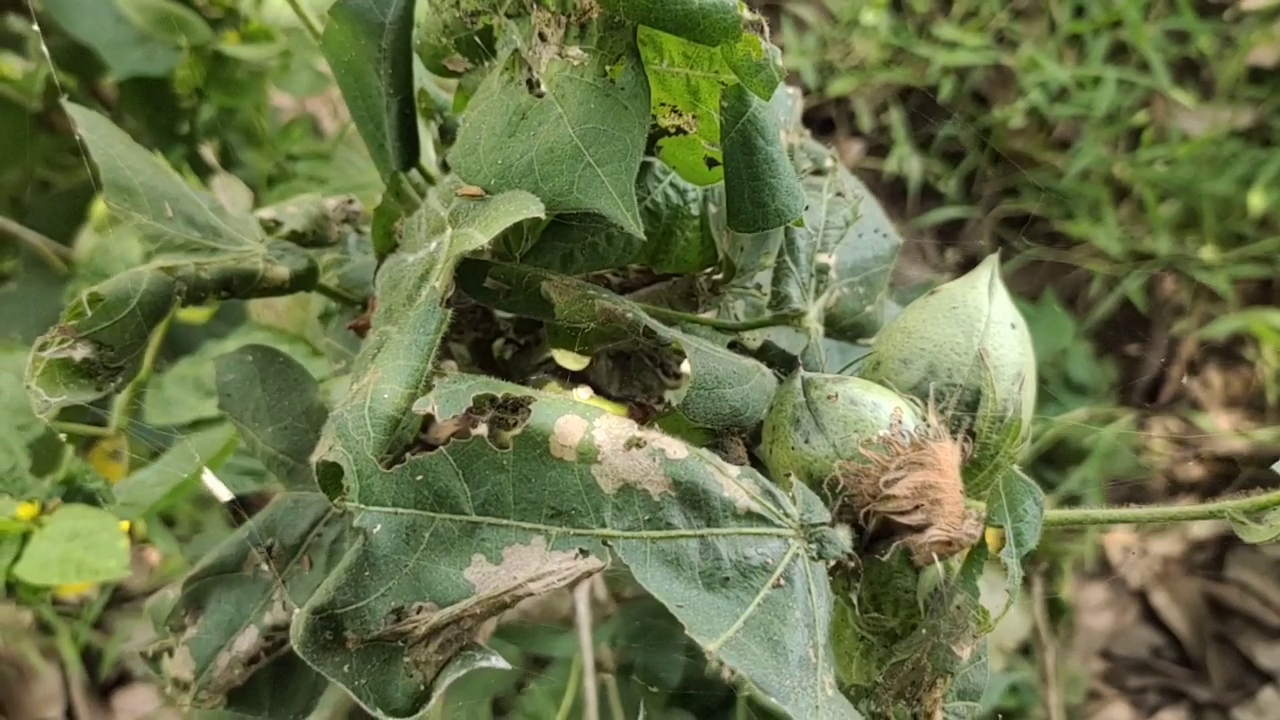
{"x": 497, "y": 418}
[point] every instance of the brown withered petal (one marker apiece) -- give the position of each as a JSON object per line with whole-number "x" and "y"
{"x": 910, "y": 480}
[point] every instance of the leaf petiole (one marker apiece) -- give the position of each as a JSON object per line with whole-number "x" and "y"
{"x": 122, "y": 405}
{"x": 678, "y": 316}
{"x": 338, "y": 295}
{"x": 308, "y": 23}
{"x": 570, "y": 696}
{"x": 81, "y": 429}
{"x": 53, "y": 253}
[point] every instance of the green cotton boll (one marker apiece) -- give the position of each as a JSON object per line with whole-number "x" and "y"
{"x": 817, "y": 420}
{"x": 965, "y": 346}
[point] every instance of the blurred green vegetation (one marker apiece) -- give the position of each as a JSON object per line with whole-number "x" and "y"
{"x": 1107, "y": 147}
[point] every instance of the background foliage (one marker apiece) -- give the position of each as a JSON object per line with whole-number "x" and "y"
{"x": 1125, "y": 158}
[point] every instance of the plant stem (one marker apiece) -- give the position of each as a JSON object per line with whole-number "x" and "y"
{"x": 77, "y": 675}
{"x": 419, "y": 185}
{"x": 334, "y": 703}
{"x": 122, "y": 405}
{"x": 1219, "y": 510}
{"x": 308, "y": 23}
{"x": 571, "y": 689}
{"x": 669, "y": 315}
{"x": 339, "y": 295}
{"x": 586, "y": 648}
{"x": 53, "y": 253}
{"x": 74, "y": 428}
{"x": 430, "y": 176}
{"x": 614, "y": 694}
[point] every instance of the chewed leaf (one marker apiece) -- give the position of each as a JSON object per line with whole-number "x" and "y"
{"x": 197, "y": 251}
{"x": 576, "y": 138}
{"x": 285, "y": 688}
{"x": 452, "y": 38}
{"x": 911, "y": 638}
{"x": 394, "y": 365}
{"x": 686, "y": 81}
{"x": 707, "y": 22}
{"x": 964, "y": 696}
{"x": 726, "y": 390}
{"x": 511, "y": 492}
{"x": 757, "y": 63}
{"x": 102, "y": 335}
{"x": 231, "y": 618}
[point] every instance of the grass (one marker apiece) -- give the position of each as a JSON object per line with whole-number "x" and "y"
{"x": 1080, "y": 131}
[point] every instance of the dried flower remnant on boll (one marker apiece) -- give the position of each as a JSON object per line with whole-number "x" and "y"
{"x": 910, "y": 479}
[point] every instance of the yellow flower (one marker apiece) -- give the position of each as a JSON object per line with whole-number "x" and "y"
{"x": 74, "y": 591}
{"x": 124, "y": 526}
{"x": 995, "y": 539}
{"x": 27, "y": 511}
{"x": 110, "y": 457}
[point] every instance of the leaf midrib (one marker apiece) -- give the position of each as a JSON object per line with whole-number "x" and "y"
{"x": 794, "y": 533}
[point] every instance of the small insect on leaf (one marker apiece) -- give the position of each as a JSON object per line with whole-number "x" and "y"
{"x": 471, "y": 192}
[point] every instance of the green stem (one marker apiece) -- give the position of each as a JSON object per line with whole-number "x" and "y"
{"x": 74, "y": 428}
{"x": 338, "y": 295}
{"x": 430, "y": 176}
{"x": 571, "y": 690}
{"x": 53, "y": 253}
{"x": 122, "y": 405}
{"x": 64, "y": 643}
{"x": 1219, "y": 510}
{"x": 64, "y": 463}
{"x": 678, "y": 316}
{"x": 614, "y": 694}
{"x": 308, "y": 23}
{"x": 337, "y": 703}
